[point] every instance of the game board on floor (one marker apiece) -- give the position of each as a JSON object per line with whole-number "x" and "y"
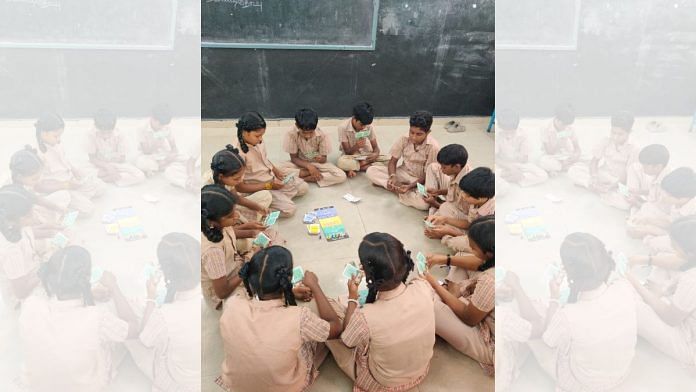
{"x": 125, "y": 223}
{"x": 331, "y": 224}
{"x": 528, "y": 223}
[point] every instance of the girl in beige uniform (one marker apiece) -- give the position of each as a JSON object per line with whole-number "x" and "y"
{"x": 465, "y": 314}
{"x": 270, "y": 343}
{"x": 59, "y": 173}
{"x": 387, "y": 344}
{"x": 107, "y": 151}
{"x": 260, "y": 173}
{"x": 309, "y": 148}
{"x": 358, "y": 154}
{"x": 418, "y": 151}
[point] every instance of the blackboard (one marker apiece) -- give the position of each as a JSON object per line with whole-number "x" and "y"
{"x": 88, "y": 24}
{"x": 289, "y": 24}
{"x": 537, "y": 24}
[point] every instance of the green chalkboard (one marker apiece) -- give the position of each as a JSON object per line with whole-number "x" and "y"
{"x": 289, "y": 24}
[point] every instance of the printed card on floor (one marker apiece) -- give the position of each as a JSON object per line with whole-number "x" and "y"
{"x": 421, "y": 263}
{"x": 553, "y": 198}
{"x": 288, "y": 178}
{"x": 271, "y": 218}
{"x": 70, "y": 218}
{"x": 309, "y": 218}
{"x": 261, "y": 240}
{"x": 421, "y": 189}
{"x": 351, "y": 198}
{"x": 350, "y": 270}
{"x": 297, "y": 275}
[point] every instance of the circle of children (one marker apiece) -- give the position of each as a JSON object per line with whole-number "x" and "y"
{"x": 588, "y": 343}
{"x": 386, "y": 342}
{"x": 69, "y": 334}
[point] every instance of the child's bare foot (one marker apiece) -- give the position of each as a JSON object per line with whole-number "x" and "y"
{"x": 351, "y": 173}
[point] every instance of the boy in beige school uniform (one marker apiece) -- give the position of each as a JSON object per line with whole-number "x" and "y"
{"x": 156, "y": 145}
{"x": 442, "y": 180}
{"x": 107, "y": 151}
{"x": 417, "y": 151}
{"x": 309, "y": 148}
{"x": 512, "y": 152}
{"x": 560, "y": 146}
{"x": 358, "y": 153}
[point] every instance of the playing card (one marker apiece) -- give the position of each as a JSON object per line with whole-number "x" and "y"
{"x": 623, "y": 189}
{"x": 297, "y": 275}
{"x": 60, "y": 240}
{"x": 262, "y": 240}
{"x": 288, "y": 178}
{"x": 349, "y": 271}
{"x": 69, "y": 218}
{"x": 428, "y": 224}
{"x": 362, "y": 134}
{"x": 421, "y": 189}
{"x": 421, "y": 263}
{"x": 351, "y": 198}
{"x": 271, "y": 218}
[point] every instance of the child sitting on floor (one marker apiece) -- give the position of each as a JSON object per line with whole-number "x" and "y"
{"x": 442, "y": 179}
{"x": 359, "y": 152}
{"x": 512, "y": 152}
{"x": 560, "y": 145}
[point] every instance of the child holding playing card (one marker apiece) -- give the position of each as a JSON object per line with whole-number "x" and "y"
{"x": 465, "y": 316}
{"x": 358, "y": 141}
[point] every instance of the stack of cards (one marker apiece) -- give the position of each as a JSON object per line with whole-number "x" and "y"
{"x": 351, "y": 198}
{"x": 350, "y": 271}
{"x": 271, "y": 218}
{"x": 288, "y": 178}
{"x": 421, "y": 263}
{"x": 421, "y": 189}
{"x": 96, "y": 275}
{"x": 623, "y": 189}
{"x": 428, "y": 224}
{"x": 70, "y": 218}
{"x": 297, "y": 275}
{"x": 309, "y": 218}
{"x": 60, "y": 240}
{"x": 261, "y": 240}
{"x": 362, "y": 134}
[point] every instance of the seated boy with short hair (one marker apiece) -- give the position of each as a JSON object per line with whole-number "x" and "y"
{"x": 358, "y": 141}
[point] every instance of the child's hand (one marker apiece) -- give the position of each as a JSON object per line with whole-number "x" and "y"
{"x": 511, "y": 279}
{"x": 151, "y": 285}
{"x": 454, "y": 288}
{"x": 314, "y": 172}
{"x": 435, "y": 260}
{"x": 277, "y": 184}
{"x": 437, "y": 219}
{"x": 430, "y": 278}
{"x": 262, "y": 210}
{"x": 360, "y": 142}
{"x": 302, "y": 292}
{"x": 555, "y": 286}
{"x": 353, "y": 284}
{"x": 310, "y": 279}
{"x": 108, "y": 280}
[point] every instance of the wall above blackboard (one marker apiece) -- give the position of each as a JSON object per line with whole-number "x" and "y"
{"x": 289, "y": 24}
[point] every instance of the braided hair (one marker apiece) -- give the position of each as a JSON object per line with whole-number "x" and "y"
{"x": 179, "y": 255}
{"x": 24, "y": 163}
{"x": 385, "y": 262}
{"x": 47, "y": 123}
{"x": 226, "y": 163}
{"x": 216, "y": 202}
{"x": 269, "y": 272}
{"x": 248, "y": 122}
{"x": 587, "y": 263}
{"x": 66, "y": 274}
{"x": 15, "y": 203}
{"x": 482, "y": 232}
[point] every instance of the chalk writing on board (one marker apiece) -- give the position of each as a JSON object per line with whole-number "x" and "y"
{"x": 241, "y": 3}
{"x": 38, "y": 3}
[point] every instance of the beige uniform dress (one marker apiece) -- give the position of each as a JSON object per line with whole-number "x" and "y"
{"x": 589, "y": 344}
{"x": 111, "y": 148}
{"x": 17, "y": 260}
{"x": 565, "y": 141}
{"x": 306, "y": 150}
{"x": 512, "y": 147}
{"x": 346, "y": 134}
{"x": 259, "y": 170}
{"x": 460, "y": 244}
{"x": 57, "y": 167}
{"x": 218, "y": 260}
{"x": 679, "y": 341}
{"x": 68, "y": 346}
{"x": 477, "y": 342}
{"x": 663, "y": 243}
{"x": 162, "y": 142}
{"x": 452, "y": 207}
{"x": 511, "y": 349}
{"x": 270, "y": 347}
{"x": 388, "y": 344}
{"x": 653, "y": 208}
{"x": 412, "y": 168}
{"x": 613, "y": 163}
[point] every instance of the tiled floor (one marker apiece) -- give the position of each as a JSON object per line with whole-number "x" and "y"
{"x": 378, "y": 210}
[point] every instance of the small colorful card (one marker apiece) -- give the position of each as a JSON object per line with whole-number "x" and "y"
{"x": 428, "y": 224}
{"x": 96, "y": 275}
{"x": 351, "y": 198}
{"x": 553, "y": 198}
{"x": 288, "y": 179}
{"x": 621, "y": 264}
{"x": 362, "y": 134}
{"x": 70, "y": 218}
{"x": 350, "y": 271}
{"x": 563, "y": 134}
{"x": 421, "y": 263}
{"x": 161, "y": 134}
{"x": 271, "y": 218}
{"x": 261, "y": 240}
{"x": 421, "y": 189}
{"x": 297, "y": 275}
{"x": 362, "y": 296}
{"x": 623, "y": 189}
{"x": 314, "y": 229}
{"x": 309, "y": 218}
{"x": 60, "y": 240}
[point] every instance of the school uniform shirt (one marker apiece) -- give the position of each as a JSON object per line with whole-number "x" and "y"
{"x": 513, "y": 147}
{"x": 268, "y": 346}
{"x": 639, "y": 181}
{"x": 17, "y": 259}
{"x": 687, "y": 209}
{"x": 218, "y": 260}
{"x": 106, "y": 148}
{"x": 393, "y": 338}
{"x": 415, "y": 158}
{"x": 595, "y": 338}
{"x": 176, "y": 343}
{"x": 56, "y": 164}
{"x": 479, "y": 290}
{"x": 485, "y": 209}
{"x": 294, "y": 143}
{"x": 258, "y": 168}
{"x": 684, "y": 299}
{"x": 564, "y": 140}
{"x": 346, "y": 134}
{"x": 161, "y": 140}
{"x": 615, "y": 159}
{"x": 67, "y": 345}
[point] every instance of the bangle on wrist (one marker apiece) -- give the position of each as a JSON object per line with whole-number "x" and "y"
{"x": 554, "y": 301}
{"x": 152, "y": 300}
{"x": 449, "y": 260}
{"x": 268, "y": 186}
{"x": 355, "y": 301}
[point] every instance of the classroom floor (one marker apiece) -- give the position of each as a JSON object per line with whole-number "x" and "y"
{"x": 581, "y": 210}
{"x": 378, "y": 210}
{"x": 175, "y": 211}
